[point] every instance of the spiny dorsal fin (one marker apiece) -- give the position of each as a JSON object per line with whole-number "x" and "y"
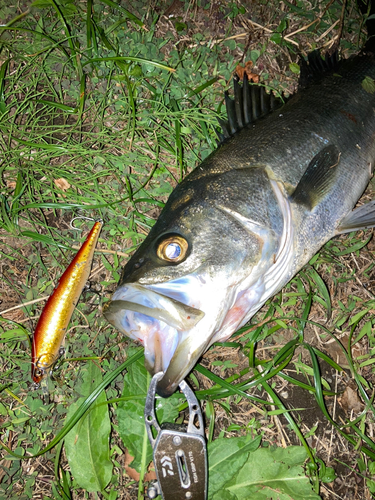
{"x": 315, "y": 67}
{"x": 318, "y": 178}
{"x": 250, "y": 103}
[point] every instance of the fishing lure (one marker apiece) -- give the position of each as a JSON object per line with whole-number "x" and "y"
{"x": 54, "y": 320}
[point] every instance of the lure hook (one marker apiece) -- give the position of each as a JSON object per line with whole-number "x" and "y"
{"x": 82, "y": 217}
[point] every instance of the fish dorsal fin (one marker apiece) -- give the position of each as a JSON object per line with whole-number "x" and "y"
{"x": 250, "y": 103}
{"x": 315, "y": 67}
{"x": 318, "y": 178}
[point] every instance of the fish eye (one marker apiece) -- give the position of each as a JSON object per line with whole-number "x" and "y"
{"x": 173, "y": 249}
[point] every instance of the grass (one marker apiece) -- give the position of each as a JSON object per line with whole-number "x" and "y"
{"x": 102, "y": 112}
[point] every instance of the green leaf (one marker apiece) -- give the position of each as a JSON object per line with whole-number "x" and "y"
{"x": 254, "y": 55}
{"x": 294, "y": 68}
{"x": 370, "y": 485}
{"x": 368, "y": 84}
{"x": 225, "y": 458}
{"x": 130, "y": 413}
{"x": 329, "y": 475}
{"x": 371, "y": 467}
{"x": 231, "y": 44}
{"x": 180, "y": 26}
{"x": 276, "y": 38}
{"x": 273, "y": 473}
{"x": 87, "y": 444}
{"x": 282, "y": 26}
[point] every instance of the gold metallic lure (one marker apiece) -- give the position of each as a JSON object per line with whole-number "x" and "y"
{"x": 54, "y": 320}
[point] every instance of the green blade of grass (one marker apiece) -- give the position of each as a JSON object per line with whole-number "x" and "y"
{"x": 90, "y": 32}
{"x": 3, "y": 70}
{"x": 320, "y": 400}
{"x": 128, "y": 14}
{"x": 57, "y": 105}
{"x": 130, "y": 58}
{"x": 75, "y": 56}
{"x": 322, "y": 288}
{"x": 276, "y": 401}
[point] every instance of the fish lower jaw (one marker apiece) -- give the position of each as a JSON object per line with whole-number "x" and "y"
{"x": 160, "y": 345}
{"x": 180, "y": 366}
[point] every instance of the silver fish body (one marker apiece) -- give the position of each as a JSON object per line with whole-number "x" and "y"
{"x": 246, "y": 220}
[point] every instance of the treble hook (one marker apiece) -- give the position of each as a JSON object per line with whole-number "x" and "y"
{"x": 82, "y": 217}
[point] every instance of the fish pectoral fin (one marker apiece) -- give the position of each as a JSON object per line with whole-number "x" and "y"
{"x": 318, "y": 178}
{"x": 361, "y": 218}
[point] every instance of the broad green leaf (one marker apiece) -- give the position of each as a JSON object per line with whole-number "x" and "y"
{"x": 368, "y": 84}
{"x": 130, "y": 413}
{"x": 282, "y": 26}
{"x": 370, "y": 485}
{"x": 276, "y": 38}
{"x": 329, "y": 475}
{"x": 87, "y": 444}
{"x": 225, "y": 459}
{"x": 273, "y": 474}
{"x": 254, "y": 55}
{"x": 294, "y": 68}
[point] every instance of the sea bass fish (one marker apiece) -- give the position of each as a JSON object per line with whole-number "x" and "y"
{"x": 284, "y": 181}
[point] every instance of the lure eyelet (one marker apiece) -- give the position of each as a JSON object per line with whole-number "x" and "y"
{"x": 173, "y": 249}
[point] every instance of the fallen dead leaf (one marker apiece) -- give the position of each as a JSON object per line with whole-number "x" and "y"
{"x": 240, "y": 70}
{"x": 133, "y": 474}
{"x": 350, "y": 400}
{"x": 62, "y": 184}
{"x": 334, "y": 350}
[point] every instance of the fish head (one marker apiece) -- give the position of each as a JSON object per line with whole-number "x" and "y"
{"x": 190, "y": 282}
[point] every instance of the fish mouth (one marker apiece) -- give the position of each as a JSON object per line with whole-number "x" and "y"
{"x": 176, "y": 321}
{"x": 162, "y": 325}
{"x": 183, "y": 360}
